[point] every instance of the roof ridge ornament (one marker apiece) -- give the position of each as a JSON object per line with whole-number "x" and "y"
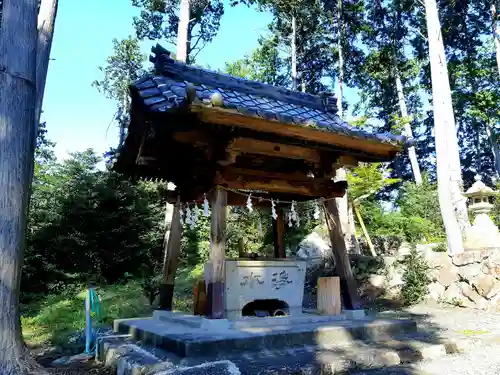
{"x": 160, "y": 57}
{"x": 329, "y": 102}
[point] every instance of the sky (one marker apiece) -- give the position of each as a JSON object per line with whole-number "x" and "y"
{"x": 78, "y": 117}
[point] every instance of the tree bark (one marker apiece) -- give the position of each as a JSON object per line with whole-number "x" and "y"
{"x": 451, "y": 201}
{"x": 496, "y": 33}
{"x": 182, "y": 32}
{"x": 18, "y": 43}
{"x": 417, "y": 176}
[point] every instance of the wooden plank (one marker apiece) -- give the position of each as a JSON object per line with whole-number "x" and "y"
{"x": 254, "y": 146}
{"x": 342, "y": 265}
{"x": 215, "y": 287}
{"x": 173, "y": 251}
{"x": 199, "y": 298}
{"x": 329, "y": 296}
{"x": 228, "y": 117}
{"x": 279, "y": 234}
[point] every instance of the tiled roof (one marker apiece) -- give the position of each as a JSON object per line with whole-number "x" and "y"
{"x": 166, "y": 89}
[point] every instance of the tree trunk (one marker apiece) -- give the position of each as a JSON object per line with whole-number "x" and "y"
{"x": 343, "y": 202}
{"x": 342, "y": 262}
{"x": 294, "y": 53}
{"x": 343, "y": 210}
{"x": 451, "y": 201}
{"x": 494, "y": 148}
{"x": 172, "y": 252}
{"x": 496, "y": 33}
{"x": 46, "y": 22}
{"x": 18, "y": 43}
{"x": 365, "y": 231}
{"x": 182, "y": 32}
{"x": 417, "y": 176}
{"x": 352, "y": 230}
{"x": 340, "y": 37}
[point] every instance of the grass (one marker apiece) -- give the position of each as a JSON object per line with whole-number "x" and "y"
{"x": 52, "y": 319}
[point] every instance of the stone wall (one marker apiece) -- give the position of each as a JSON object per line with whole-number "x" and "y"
{"x": 470, "y": 279}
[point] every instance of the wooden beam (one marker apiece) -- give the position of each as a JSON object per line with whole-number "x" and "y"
{"x": 228, "y": 117}
{"x": 254, "y": 146}
{"x": 172, "y": 254}
{"x": 342, "y": 264}
{"x": 279, "y": 234}
{"x": 235, "y": 173}
{"x": 345, "y": 161}
{"x": 311, "y": 188}
{"x": 215, "y": 285}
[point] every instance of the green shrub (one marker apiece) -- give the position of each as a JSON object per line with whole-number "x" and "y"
{"x": 415, "y": 277}
{"x": 441, "y": 247}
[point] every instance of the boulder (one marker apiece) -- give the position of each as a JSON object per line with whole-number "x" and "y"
{"x": 445, "y": 275}
{"x": 452, "y": 293}
{"x": 469, "y": 257}
{"x": 436, "y": 291}
{"x": 377, "y": 281}
{"x": 477, "y": 301}
{"x": 470, "y": 272}
{"x": 313, "y": 247}
{"x": 487, "y": 286}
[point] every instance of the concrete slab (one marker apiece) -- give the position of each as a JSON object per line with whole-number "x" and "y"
{"x": 253, "y": 322}
{"x": 187, "y": 341}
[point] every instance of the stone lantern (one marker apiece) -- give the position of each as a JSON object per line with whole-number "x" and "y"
{"x": 483, "y": 234}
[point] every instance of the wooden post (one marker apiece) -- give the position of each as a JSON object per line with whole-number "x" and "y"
{"x": 329, "y": 296}
{"x": 171, "y": 262}
{"x": 279, "y": 234}
{"x": 241, "y": 248}
{"x": 342, "y": 265}
{"x": 215, "y": 286}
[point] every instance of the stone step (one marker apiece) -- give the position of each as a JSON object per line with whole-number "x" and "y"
{"x": 185, "y": 342}
{"x": 357, "y": 358}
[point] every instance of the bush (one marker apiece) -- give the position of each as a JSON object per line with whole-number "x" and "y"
{"x": 415, "y": 277}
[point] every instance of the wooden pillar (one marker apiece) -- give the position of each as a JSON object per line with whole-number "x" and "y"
{"x": 172, "y": 254}
{"x": 215, "y": 285}
{"x": 279, "y": 234}
{"x": 348, "y": 285}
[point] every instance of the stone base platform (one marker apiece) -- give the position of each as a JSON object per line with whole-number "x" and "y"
{"x": 192, "y": 336}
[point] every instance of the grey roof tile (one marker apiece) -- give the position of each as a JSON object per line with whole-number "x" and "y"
{"x": 248, "y": 97}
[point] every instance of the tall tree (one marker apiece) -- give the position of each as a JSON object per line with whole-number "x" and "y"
{"x": 159, "y": 19}
{"x": 18, "y": 46}
{"x": 451, "y": 201}
{"x": 123, "y": 67}
{"x": 495, "y": 25}
{"x": 46, "y": 21}
{"x": 389, "y": 72}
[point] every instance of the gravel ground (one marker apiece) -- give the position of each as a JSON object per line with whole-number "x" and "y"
{"x": 446, "y": 317}
{"x": 483, "y": 360}
{"x": 480, "y": 361}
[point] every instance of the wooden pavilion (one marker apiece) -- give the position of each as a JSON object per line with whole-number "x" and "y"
{"x": 217, "y": 135}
